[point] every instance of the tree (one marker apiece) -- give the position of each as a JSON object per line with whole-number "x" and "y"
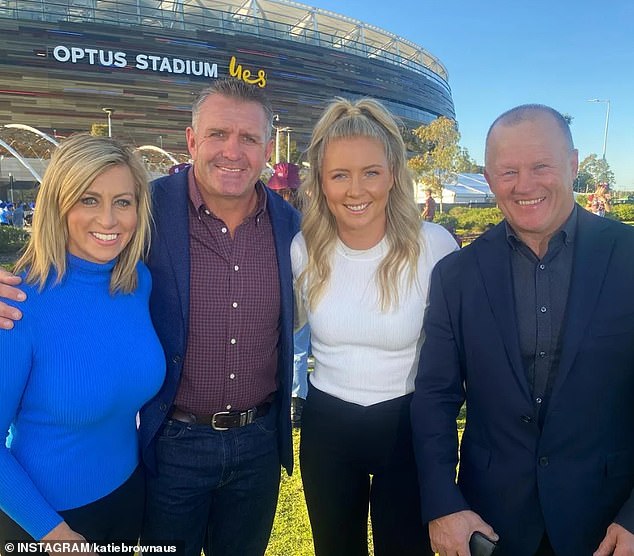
{"x": 440, "y": 154}
{"x": 465, "y": 164}
{"x": 584, "y": 182}
{"x": 295, "y": 154}
{"x": 593, "y": 171}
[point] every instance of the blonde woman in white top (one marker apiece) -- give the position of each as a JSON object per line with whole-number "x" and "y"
{"x": 362, "y": 265}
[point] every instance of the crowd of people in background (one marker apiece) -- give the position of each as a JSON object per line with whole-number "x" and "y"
{"x": 531, "y": 324}
{"x": 17, "y": 214}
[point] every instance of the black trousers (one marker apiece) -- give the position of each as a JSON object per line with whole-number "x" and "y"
{"x": 116, "y": 517}
{"x": 353, "y": 457}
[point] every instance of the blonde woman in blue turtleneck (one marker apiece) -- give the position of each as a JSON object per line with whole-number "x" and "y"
{"x": 84, "y": 358}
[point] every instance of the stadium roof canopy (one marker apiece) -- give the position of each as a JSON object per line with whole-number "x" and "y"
{"x": 280, "y": 19}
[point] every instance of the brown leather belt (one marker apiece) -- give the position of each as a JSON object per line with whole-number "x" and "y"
{"x": 222, "y": 420}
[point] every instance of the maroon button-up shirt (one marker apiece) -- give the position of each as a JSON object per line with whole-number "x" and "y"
{"x": 234, "y": 311}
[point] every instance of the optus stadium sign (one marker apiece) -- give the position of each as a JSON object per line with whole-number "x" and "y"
{"x": 119, "y": 59}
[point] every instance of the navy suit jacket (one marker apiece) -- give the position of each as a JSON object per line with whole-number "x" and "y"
{"x": 575, "y": 476}
{"x": 169, "y": 304}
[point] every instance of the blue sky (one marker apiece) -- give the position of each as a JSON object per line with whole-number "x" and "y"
{"x": 502, "y": 53}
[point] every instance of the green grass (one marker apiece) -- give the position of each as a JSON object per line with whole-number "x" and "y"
{"x": 291, "y": 531}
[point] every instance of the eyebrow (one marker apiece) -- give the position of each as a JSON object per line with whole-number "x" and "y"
{"x": 378, "y": 165}
{"x": 96, "y": 194}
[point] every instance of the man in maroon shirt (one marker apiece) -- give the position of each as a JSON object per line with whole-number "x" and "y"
{"x": 429, "y": 209}
{"x": 214, "y": 436}
{"x": 222, "y": 305}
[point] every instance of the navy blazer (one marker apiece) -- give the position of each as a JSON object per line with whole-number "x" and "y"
{"x": 169, "y": 304}
{"x": 575, "y": 476}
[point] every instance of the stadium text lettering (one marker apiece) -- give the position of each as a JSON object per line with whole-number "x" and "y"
{"x": 94, "y": 56}
{"x": 235, "y": 70}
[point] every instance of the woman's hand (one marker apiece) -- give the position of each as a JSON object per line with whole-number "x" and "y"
{"x": 65, "y": 541}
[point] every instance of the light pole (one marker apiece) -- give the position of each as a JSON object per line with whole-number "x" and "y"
{"x": 276, "y": 125}
{"x": 109, "y": 112}
{"x": 607, "y": 121}
{"x": 288, "y": 144}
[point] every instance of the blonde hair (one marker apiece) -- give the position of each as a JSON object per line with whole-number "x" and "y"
{"x": 72, "y": 169}
{"x": 343, "y": 119}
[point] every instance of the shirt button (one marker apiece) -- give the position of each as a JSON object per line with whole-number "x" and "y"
{"x": 236, "y": 268}
{"x": 232, "y": 376}
{"x": 233, "y": 341}
{"x": 538, "y": 400}
{"x": 234, "y": 304}
{"x": 542, "y": 266}
{"x": 207, "y": 212}
{"x": 543, "y": 461}
{"x": 543, "y": 309}
{"x": 228, "y": 407}
{"x": 542, "y": 354}
{"x": 223, "y": 230}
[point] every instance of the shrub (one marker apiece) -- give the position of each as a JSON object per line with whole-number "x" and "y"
{"x": 475, "y": 220}
{"x": 624, "y": 213}
{"x": 12, "y": 239}
{"x": 447, "y": 220}
{"x": 582, "y": 199}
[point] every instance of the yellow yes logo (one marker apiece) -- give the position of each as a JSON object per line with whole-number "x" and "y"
{"x": 236, "y": 70}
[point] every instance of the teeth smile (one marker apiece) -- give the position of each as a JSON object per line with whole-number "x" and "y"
{"x": 230, "y": 169}
{"x": 528, "y": 202}
{"x": 105, "y": 237}
{"x": 357, "y": 208}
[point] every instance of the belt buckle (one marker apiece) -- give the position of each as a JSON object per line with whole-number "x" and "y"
{"x": 213, "y": 421}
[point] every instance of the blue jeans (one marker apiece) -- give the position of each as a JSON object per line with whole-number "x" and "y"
{"x": 214, "y": 490}
{"x": 301, "y": 346}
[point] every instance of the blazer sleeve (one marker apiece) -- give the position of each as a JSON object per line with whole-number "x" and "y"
{"x": 438, "y": 396}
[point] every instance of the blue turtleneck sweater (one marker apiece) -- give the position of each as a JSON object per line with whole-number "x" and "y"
{"x": 73, "y": 374}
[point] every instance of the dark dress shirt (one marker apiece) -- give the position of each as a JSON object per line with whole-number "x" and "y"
{"x": 234, "y": 311}
{"x": 541, "y": 291}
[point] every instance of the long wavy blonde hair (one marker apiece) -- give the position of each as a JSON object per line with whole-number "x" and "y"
{"x": 73, "y": 167}
{"x": 344, "y": 119}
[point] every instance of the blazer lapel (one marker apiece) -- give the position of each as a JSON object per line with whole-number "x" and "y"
{"x": 495, "y": 266}
{"x": 172, "y": 213}
{"x": 594, "y": 244}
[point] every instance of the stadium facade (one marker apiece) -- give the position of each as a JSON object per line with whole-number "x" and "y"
{"x": 63, "y": 62}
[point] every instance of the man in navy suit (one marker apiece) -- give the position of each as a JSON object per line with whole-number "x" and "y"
{"x": 214, "y": 436}
{"x": 533, "y": 326}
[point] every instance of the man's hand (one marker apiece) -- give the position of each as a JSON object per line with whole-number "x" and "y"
{"x": 450, "y": 534}
{"x": 618, "y": 541}
{"x": 7, "y": 290}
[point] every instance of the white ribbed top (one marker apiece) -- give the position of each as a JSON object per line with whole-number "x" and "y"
{"x": 363, "y": 355}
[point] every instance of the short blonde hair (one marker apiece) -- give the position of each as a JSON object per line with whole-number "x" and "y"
{"x": 344, "y": 119}
{"x": 72, "y": 169}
